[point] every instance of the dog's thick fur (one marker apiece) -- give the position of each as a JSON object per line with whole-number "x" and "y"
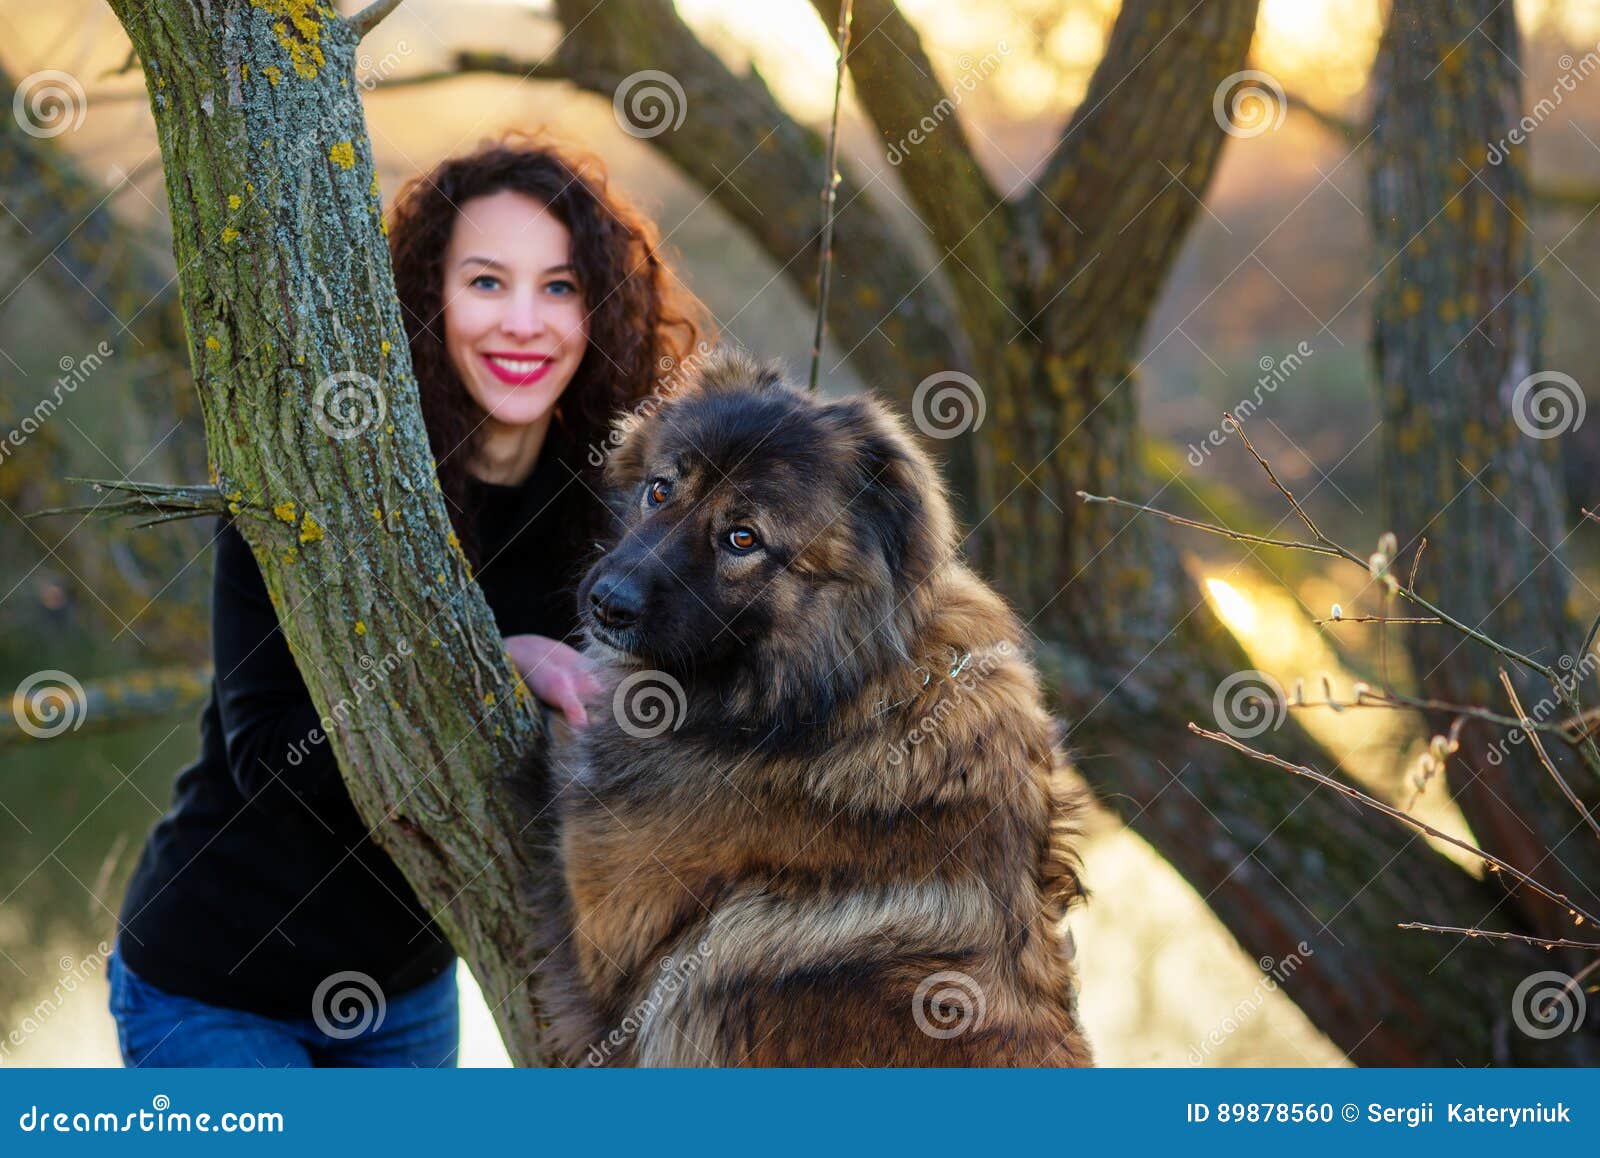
{"x": 848, "y": 841}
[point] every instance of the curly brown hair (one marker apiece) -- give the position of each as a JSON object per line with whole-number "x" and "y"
{"x": 639, "y": 325}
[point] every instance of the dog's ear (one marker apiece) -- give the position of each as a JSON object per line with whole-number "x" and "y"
{"x": 624, "y": 466}
{"x": 899, "y": 497}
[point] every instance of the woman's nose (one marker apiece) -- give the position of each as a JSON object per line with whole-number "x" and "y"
{"x": 522, "y": 319}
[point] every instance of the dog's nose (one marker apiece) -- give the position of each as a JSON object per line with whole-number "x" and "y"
{"x": 615, "y": 602}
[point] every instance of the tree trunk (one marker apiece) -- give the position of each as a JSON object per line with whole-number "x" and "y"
{"x": 316, "y": 439}
{"x": 1471, "y": 460}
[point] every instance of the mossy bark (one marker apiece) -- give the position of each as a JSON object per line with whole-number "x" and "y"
{"x": 1457, "y": 328}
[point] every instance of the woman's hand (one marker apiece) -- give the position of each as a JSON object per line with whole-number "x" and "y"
{"x": 559, "y": 675}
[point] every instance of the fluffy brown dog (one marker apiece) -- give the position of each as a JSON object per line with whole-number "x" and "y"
{"x": 825, "y": 820}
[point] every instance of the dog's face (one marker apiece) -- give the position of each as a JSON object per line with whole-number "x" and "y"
{"x": 761, "y": 522}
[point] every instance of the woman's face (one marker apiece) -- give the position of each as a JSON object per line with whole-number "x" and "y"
{"x": 515, "y": 325}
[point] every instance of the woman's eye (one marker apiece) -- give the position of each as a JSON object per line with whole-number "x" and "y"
{"x": 742, "y": 539}
{"x": 485, "y": 281}
{"x": 562, "y": 287}
{"x": 658, "y": 492}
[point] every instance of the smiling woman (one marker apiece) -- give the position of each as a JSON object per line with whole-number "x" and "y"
{"x": 515, "y": 324}
{"x": 536, "y": 309}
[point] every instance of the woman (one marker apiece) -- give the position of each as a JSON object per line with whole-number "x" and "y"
{"x": 262, "y": 925}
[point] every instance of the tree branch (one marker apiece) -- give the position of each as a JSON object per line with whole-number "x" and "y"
{"x": 1122, "y": 184}
{"x": 765, "y": 171}
{"x": 369, "y": 17}
{"x": 924, "y": 138}
{"x": 126, "y": 700}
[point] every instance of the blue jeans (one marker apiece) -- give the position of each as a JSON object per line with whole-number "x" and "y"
{"x": 420, "y": 1027}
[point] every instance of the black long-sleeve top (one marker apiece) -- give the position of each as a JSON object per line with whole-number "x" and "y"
{"x": 261, "y": 880}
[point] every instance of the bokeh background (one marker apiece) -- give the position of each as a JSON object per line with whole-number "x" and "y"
{"x": 1281, "y": 256}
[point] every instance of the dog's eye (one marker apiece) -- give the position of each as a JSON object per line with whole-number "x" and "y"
{"x": 658, "y": 492}
{"x": 742, "y": 539}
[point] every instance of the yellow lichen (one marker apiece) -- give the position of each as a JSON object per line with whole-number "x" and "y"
{"x": 213, "y": 344}
{"x": 299, "y": 31}
{"x": 384, "y": 346}
{"x": 361, "y": 628}
{"x": 229, "y": 234}
{"x": 274, "y": 74}
{"x": 310, "y": 532}
{"x": 285, "y": 512}
{"x": 343, "y": 154}
{"x": 290, "y": 555}
{"x": 234, "y": 201}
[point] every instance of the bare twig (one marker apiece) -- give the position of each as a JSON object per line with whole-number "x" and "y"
{"x": 1389, "y": 810}
{"x": 369, "y": 17}
{"x": 1544, "y": 757}
{"x": 1400, "y": 702}
{"x": 1544, "y": 942}
{"x": 1378, "y": 619}
{"x": 161, "y": 502}
{"x": 830, "y": 195}
{"x": 1230, "y": 420}
{"x": 1212, "y": 528}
